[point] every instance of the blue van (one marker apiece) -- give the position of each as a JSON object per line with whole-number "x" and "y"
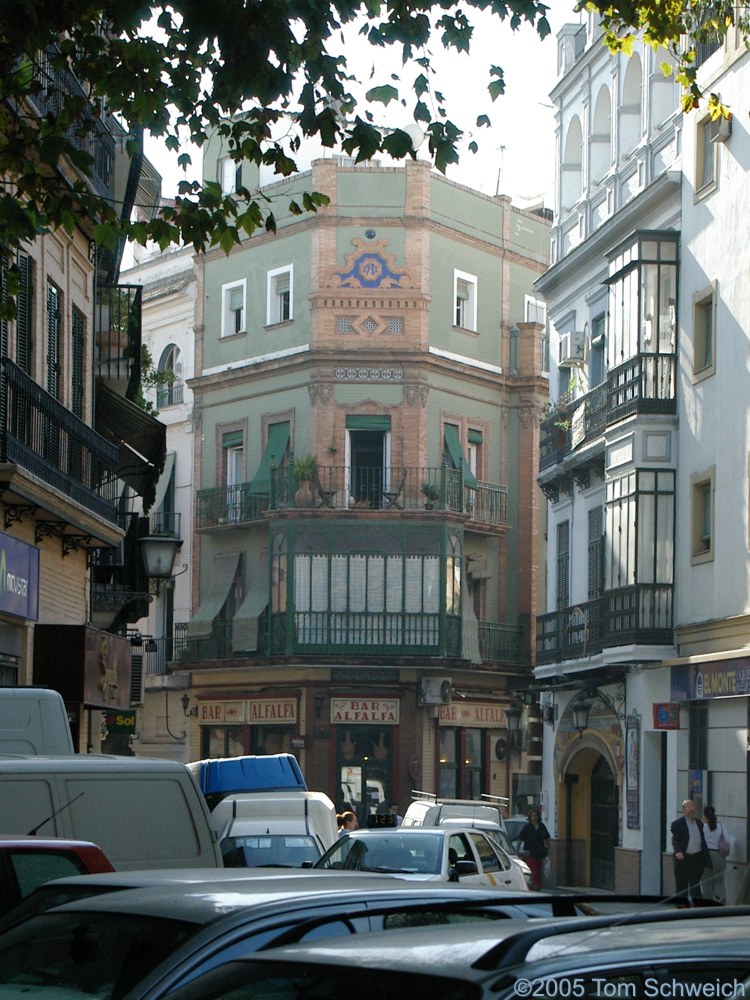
{"x": 222, "y": 776}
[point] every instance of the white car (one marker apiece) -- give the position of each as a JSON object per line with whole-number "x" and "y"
{"x": 446, "y": 854}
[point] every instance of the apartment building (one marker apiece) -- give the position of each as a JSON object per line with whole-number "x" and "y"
{"x": 366, "y": 396}
{"x": 646, "y": 575}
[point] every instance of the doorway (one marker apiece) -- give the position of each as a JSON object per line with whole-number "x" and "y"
{"x": 604, "y": 825}
{"x": 367, "y": 466}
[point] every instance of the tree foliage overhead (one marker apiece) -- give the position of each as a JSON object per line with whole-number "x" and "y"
{"x": 185, "y": 69}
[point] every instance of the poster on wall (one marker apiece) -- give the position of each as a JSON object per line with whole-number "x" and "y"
{"x": 633, "y": 770}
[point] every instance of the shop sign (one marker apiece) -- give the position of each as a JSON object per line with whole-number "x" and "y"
{"x": 120, "y": 723}
{"x": 271, "y": 710}
{"x": 666, "y": 715}
{"x": 718, "y": 679}
{"x": 467, "y": 713}
{"x": 19, "y": 578}
{"x": 221, "y": 713}
{"x": 365, "y": 711}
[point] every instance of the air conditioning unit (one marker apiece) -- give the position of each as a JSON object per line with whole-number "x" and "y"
{"x": 572, "y": 347}
{"x": 721, "y": 129}
{"x": 435, "y": 691}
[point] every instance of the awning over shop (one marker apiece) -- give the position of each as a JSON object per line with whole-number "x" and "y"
{"x": 456, "y": 452}
{"x": 223, "y": 572}
{"x": 140, "y": 438}
{"x": 278, "y": 439}
{"x": 245, "y": 622}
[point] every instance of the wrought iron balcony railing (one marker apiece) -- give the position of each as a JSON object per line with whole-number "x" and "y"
{"x": 394, "y": 490}
{"x": 641, "y": 614}
{"x": 40, "y": 435}
{"x": 643, "y": 384}
{"x": 56, "y": 83}
{"x": 359, "y": 633}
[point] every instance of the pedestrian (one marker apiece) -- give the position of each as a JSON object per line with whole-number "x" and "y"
{"x": 393, "y": 810}
{"x": 347, "y": 821}
{"x": 534, "y": 836}
{"x": 691, "y": 855}
{"x": 719, "y": 844}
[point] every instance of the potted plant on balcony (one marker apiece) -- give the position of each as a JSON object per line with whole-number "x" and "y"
{"x": 431, "y": 493}
{"x": 305, "y": 467}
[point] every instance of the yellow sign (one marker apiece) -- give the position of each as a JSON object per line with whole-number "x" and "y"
{"x": 365, "y": 711}
{"x": 467, "y": 713}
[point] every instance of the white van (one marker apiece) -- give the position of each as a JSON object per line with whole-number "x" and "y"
{"x": 142, "y": 812}
{"x": 280, "y": 829}
{"x": 34, "y": 721}
{"x": 427, "y": 809}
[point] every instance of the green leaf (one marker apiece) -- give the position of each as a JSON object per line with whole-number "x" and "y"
{"x": 384, "y": 94}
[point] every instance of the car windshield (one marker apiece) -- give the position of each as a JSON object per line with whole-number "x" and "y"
{"x": 99, "y": 956}
{"x": 269, "y": 851}
{"x": 386, "y": 853}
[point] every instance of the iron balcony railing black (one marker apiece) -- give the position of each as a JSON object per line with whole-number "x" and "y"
{"x": 91, "y": 135}
{"x": 117, "y": 334}
{"x": 643, "y": 384}
{"x": 394, "y": 490}
{"x": 641, "y": 614}
{"x": 342, "y": 632}
{"x": 40, "y": 435}
{"x": 169, "y": 395}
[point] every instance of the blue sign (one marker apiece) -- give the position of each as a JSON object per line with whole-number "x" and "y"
{"x": 19, "y": 578}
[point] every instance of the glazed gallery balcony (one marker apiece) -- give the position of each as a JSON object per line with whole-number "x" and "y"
{"x": 360, "y": 490}
{"x": 641, "y": 614}
{"x": 642, "y": 384}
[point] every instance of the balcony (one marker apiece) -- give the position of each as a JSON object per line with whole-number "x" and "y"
{"x": 45, "y": 439}
{"x": 643, "y": 384}
{"x": 394, "y": 491}
{"x": 57, "y": 83}
{"x": 349, "y": 633}
{"x": 117, "y": 334}
{"x": 641, "y": 615}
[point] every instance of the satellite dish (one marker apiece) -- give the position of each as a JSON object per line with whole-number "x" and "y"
{"x": 416, "y": 135}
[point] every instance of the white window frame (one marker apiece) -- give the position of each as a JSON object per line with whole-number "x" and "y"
{"x": 704, "y": 332}
{"x": 273, "y": 313}
{"x": 229, "y": 326}
{"x": 465, "y": 309}
{"x": 531, "y": 303}
{"x": 228, "y": 174}
{"x": 702, "y": 516}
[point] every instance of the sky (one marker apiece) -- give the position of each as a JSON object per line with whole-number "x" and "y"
{"x": 516, "y": 154}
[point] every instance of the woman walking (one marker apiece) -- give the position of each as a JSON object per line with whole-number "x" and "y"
{"x": 719, "y": 844}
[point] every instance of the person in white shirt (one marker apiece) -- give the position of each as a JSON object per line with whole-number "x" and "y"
{"x": 715, "y": 834}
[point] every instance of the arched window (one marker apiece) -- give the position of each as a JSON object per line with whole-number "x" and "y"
{"x": 572, "y": 175}
{"x": 170, "y": 363}
{"x": 630, "y": 107}
{"x": 601, "y": 135}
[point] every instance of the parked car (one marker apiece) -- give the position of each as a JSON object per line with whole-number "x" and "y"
{"x": 427, "y": 809}
{"x": 437, "y": 853}
{"x": 141, "y": 943}
{"x": 699, "y": 955}
{"x": 28, "y": 862}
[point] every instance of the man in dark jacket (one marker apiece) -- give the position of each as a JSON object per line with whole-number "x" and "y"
{"x": 691, "y": 855}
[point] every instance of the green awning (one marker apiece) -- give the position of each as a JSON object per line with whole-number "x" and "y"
{"x": 475, "y": 436}
{"x": 245, "y": 622}
{"x": 278, "y": 439}
{"x": 365, "y": 422}
{"x": 223, "y": 572}
{"x": 456, "y": 453}
{"x": 232, "y": 439}
{"x": 162, "y": 483}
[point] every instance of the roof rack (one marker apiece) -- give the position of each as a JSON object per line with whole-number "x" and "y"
{"x": 484, "y": 799}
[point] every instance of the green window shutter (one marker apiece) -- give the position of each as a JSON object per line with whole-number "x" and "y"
{"x": 453, "y": 445}
{"x": 24, "y": 312}
{"x": 53, "y": 341}
{"x": 278, "y": 439}
{"x": 362, "y": 422}
{"x": 232, "y": 439}
{"x": 475, "y": 436}
{"x": 76, "y": 399}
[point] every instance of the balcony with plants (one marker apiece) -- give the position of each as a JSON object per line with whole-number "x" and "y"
{"x": 303, "y": 484}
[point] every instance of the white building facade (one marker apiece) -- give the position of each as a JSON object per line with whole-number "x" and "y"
{"x": 642, "y": 654}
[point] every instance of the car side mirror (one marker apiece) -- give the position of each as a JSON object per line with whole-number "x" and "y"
{"x": 463, "y": 868}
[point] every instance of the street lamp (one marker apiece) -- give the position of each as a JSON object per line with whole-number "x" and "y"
{"x": 580, "y": 709}
{"x": 160, "y": 547}
{"x": 513, "y": 718}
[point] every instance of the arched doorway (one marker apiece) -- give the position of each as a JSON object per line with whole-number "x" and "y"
{"x": 603, "y": 825}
